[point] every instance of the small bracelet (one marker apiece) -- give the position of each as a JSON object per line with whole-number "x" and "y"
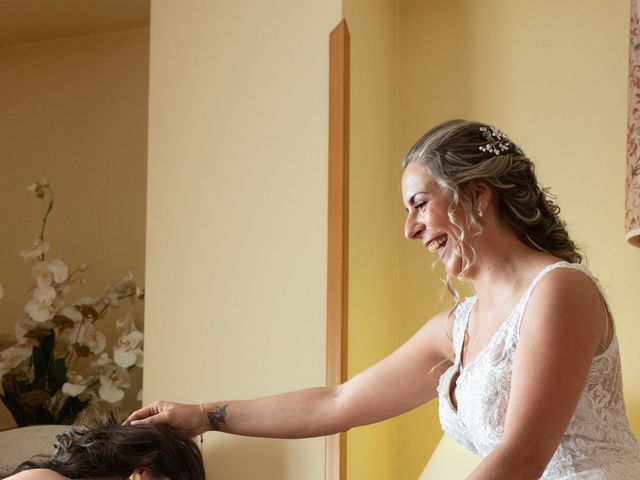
{"x": 204, "y": 426}
{"x": 202, "y": 418}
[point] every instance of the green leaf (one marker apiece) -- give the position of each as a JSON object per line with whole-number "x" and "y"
{"x": 44, "y": 417}
{"x": 41, "y": 355}
{"x": 39, "y": 367}
{"x": 57, "y": 375}
{"x": 70, "y": 410}
{"x": 16, "y": 411}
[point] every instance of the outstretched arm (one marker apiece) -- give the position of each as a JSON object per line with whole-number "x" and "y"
{"x": 564, "y": 323}
{"x": 398, "y": 383}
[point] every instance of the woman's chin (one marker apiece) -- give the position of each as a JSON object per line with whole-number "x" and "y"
{"x": 452, "y": 264}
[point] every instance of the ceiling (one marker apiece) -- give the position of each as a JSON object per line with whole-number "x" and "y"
{"x": 23, "y": 21}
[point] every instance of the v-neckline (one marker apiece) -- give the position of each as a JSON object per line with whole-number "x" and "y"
{"x": 522, "y": 297}
{"x": 461, "y": 369}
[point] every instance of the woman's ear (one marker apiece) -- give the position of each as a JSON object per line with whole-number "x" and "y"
{"x": 482, "y": 196}
{"x": 146, "y": 474}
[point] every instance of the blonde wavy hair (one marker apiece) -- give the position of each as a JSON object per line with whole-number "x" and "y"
{"x": 455, "y": 154}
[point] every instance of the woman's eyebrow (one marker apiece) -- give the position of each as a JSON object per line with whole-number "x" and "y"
{"x": 412, "y": 198}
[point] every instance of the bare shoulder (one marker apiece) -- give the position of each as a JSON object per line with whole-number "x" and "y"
{"x": 437, "y": 332}
{"x": 37, "y": 474}
{"x": 566, "y": 285}
{"x": 566, "y": 300}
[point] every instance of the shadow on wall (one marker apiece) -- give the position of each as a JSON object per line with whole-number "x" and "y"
{"x": 244, "y": 457}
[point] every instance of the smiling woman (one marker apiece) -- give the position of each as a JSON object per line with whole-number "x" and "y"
{"x": 532, "y": 363}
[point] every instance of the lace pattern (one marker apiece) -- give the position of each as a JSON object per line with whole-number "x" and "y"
{"x": 598, "y": 443}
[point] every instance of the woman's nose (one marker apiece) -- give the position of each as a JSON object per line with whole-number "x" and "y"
{"x": 412, "y": 228}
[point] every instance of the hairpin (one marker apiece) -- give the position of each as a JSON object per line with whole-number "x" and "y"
{"x": 497, "y": 142}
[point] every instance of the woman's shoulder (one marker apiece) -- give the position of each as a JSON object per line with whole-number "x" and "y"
{"x": 37, "y": 474}
{"x": 565, "y": 278}
{"x": 568, "y": 292}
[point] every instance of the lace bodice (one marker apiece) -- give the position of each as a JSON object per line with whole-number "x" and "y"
{"x": 598, "y": 443}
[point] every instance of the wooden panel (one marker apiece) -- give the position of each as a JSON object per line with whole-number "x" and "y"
{"x": 338, "y": 233}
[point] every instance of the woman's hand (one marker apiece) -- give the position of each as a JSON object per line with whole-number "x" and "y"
{"x": 186, "y": 418}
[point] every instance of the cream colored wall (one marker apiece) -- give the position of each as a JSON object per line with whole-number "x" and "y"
{"x": 373, "y": 451}
{"x": 236, "y": 244}
{"x": 73, "y": 111}
{"x": 552, "y": 75}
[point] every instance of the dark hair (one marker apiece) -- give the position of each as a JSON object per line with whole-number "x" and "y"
{"x": 105, "y": 447}
{"x": 458, "y": 152}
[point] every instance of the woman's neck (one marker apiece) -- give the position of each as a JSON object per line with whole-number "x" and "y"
{"x": 505, "y": 265}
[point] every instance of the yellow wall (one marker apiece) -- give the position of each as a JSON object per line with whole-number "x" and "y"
{"x": 552, "y": 75}
{"x": 74, "y": 111}
{"x": 236, "y": 239}
{"x": 373, "y": 451}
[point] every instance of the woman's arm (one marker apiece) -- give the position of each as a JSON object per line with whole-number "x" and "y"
{"x": 392, "y": 386}
{"x": 563, "y": 325}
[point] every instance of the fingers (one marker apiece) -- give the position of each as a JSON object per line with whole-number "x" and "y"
{"x": 140, "y": 415}
{"x": 159, "y": 418}
{"x": 183, "y": 417}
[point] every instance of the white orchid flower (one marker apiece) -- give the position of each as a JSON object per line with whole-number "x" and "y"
{"x": 95, "y": 340}
{"x": 72, "y": 313}
{"x": 39, "y": 247}
{"x": 110, "y": 298}
{"x": 88, "y": 301}
{"x": 103, "y": 359}
{"x": 13, "y": 356}
{"x": 127, "y": 353}
{"x": 43, "y": 294}
{"x": 125, "y": 323}
{"x": 40, "y": 311}
{"x": 113, "y": 381}
{"x": 46, "y": 273}
{"x": 139, "y": 395}
{"x": 87, "y": 335}
{"x": 75, "y": 384}
{"x": 25, "y": 325}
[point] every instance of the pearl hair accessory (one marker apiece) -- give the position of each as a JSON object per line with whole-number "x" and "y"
{"x": 497, "y": 142}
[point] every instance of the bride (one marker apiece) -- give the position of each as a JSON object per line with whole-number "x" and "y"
{"x": 527, "y": 371}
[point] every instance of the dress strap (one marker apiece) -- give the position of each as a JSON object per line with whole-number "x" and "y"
{"x": 460, "y": 320}
{"x": 524, "y": 300}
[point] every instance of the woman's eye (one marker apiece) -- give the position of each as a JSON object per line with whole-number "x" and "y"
{"x": 421, "y": 205}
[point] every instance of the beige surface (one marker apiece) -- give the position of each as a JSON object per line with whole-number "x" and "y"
{"x": 20, "y": 444}
{"x": 236, "y": 240}
{"x": 449, "y": 461}
{"x": 74, "y": 111}
{"x": 38, "y": 20}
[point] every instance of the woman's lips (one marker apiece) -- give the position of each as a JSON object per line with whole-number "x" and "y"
{"x": 437, "y": 243}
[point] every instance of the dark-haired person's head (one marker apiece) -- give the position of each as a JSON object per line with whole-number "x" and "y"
{"x": 104, "y": 448}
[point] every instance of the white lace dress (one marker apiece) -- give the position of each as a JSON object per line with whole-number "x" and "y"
{"x": 598, "y": 443}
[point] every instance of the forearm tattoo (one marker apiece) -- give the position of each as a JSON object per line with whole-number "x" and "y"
{"x": 217, "y": 417}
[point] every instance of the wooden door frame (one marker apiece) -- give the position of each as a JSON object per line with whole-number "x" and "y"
{"x": 338, "y": 234}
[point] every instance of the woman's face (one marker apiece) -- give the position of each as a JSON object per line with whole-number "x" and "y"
{"x": 427, "y": 220}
